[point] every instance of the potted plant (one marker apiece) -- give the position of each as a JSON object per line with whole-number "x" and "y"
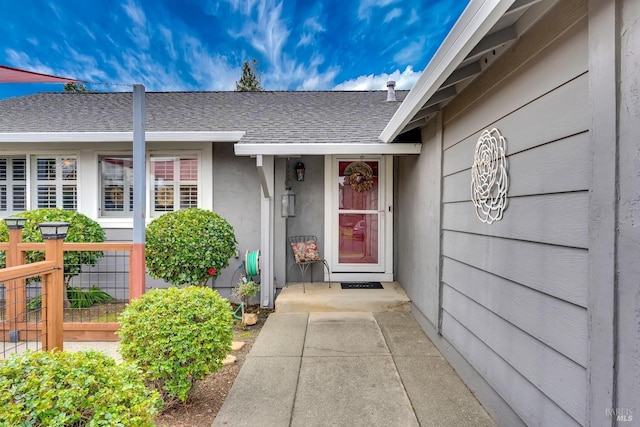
{"x": 244, "y": 292}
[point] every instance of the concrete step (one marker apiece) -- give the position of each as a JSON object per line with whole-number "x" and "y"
{"x": 320, "y": 298}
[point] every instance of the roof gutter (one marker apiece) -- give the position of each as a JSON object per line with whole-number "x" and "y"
{"x": 298, "y": 149}
{"x": 187, "y": 136}
{"x": 474, "y": 23}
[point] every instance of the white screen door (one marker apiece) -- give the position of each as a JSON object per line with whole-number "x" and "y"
{"x": 359, "y": 215}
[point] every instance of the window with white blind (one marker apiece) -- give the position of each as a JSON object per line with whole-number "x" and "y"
{"x": 54, "y": 182}
{"x": 13, "y": 185}
{"x": 175, "y": 183}
{"x": 116, "y": 186}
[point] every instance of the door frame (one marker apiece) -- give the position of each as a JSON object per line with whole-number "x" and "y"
{"x": 385, "y": 249}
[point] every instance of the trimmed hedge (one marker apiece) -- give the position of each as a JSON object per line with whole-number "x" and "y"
{"x": 176, "y": 336}
{"x": 40, "y": 388}
{"x": 189, "y": 246}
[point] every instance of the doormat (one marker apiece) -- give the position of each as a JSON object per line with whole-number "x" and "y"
{"x": 361, "y": 285}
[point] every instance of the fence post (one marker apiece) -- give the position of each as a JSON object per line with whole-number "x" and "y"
{"x": 15, "y": 293}
{"x": 54, "y": 283}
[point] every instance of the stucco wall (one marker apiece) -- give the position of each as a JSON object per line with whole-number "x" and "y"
{"x": 309, "y": 219}
{"x": 236, "y": 196}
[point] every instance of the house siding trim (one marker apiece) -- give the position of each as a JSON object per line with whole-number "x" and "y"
{"x": 604, "y": 62}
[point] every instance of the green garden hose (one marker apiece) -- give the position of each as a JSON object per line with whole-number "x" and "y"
{"x": 252, "y": 263}
{"x": 235, "y": 313}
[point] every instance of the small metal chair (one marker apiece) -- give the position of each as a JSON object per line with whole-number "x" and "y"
{"x": 304, "y": 265}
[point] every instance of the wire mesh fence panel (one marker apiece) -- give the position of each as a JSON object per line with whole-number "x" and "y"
{"x": 97, "y": 285}
{"x": 22, "y": 316}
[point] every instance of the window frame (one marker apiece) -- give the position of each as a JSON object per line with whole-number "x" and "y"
{"x": 126, "y": 182}
{"x": 58, "y": 183}
{"x": 176, "y": 183}
{"x": 150, "y": 212}
{"x": 10, "y": 183}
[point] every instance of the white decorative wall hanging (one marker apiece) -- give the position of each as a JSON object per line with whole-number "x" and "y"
{"x": 489, "y": 181}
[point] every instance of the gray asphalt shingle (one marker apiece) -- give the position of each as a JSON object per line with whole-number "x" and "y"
{"x": 266, "y": 117}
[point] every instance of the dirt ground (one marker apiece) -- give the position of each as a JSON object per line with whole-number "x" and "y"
{"x": 210, "y": 393}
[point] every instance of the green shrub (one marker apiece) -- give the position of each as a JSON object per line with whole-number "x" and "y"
{"x": 82, "y": 229}
{"x": 189, "y": 246}
{"x": 78, "y": 298}
{"x": 40, "y": 388}
{"x": 176, "y": 336}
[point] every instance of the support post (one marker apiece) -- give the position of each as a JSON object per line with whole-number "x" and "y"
{"x": 54, "y": 284}
{"x": 15, "y": 294}
{"x": 265, "y": 165}
{"x": 137, "y": 263}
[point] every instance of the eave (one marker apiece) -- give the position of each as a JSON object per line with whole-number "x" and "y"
{"x": 485, "y": 30}
{"x": 297, "y": 149}
{"x": 151, "y": 136}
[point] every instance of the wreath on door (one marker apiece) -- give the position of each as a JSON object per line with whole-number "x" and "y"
{"x": 360, "y": 176}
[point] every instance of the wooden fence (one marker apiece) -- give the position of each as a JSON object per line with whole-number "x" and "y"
{"x": 50, "y": 326}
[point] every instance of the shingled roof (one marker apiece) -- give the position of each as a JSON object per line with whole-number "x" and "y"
{"x": 266, "y": 117}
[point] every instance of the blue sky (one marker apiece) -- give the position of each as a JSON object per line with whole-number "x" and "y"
{"x": 194, "y": 45}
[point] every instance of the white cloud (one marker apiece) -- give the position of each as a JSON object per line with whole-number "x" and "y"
{"x": 87, "y": 30}
{"x": 393, "y": 14}
{"x": 23, "y": 61}
{"x": 138, "y": 32}
{"x": 410, "y": 52}
{"x": 135, "y": 13}
{"x": 55, "y": 9}
{"x": 167, "y": 35}
{"x": 311, "y": 28}
{"x": 211, "y": 72}
{"x": 319, "y": 81}
{"x": 268, "y": 33}
{"x": 404, "y": 81}
{"x": 364, "y": 10}
{"x": 413, "y": 18}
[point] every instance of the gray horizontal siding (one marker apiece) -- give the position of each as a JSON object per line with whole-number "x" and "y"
{"x": 514, "y": 293}
{"x": 559, "y": 219}
{"x": 567, "y": 165}
{"x": 559, "y": 324}
{"x": 557, "y": 271}
{"x": 533, "y": 406}
{"x": 556, "y": 115}
{"x": 559, "y": 378}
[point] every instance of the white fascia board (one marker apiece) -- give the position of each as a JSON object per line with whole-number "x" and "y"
{"x": 297, "y": 149}
{"x": 474, "y": 23}
{"x": 191, "y": 136}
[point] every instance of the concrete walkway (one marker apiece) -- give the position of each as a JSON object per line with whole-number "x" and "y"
{"x": 347, "y": 369}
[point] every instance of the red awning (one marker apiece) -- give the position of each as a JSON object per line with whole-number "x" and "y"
{"x": 14, "y": 75}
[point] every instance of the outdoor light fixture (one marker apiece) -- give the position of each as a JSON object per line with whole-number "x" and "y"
{"x": 300, "y": 171}
{"x": 15, "y": 223}
{"x": 288, "y": 204}
{"x": 54, "y": 230}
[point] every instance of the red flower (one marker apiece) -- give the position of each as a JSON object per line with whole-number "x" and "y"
{"x": 212, "y": 271}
